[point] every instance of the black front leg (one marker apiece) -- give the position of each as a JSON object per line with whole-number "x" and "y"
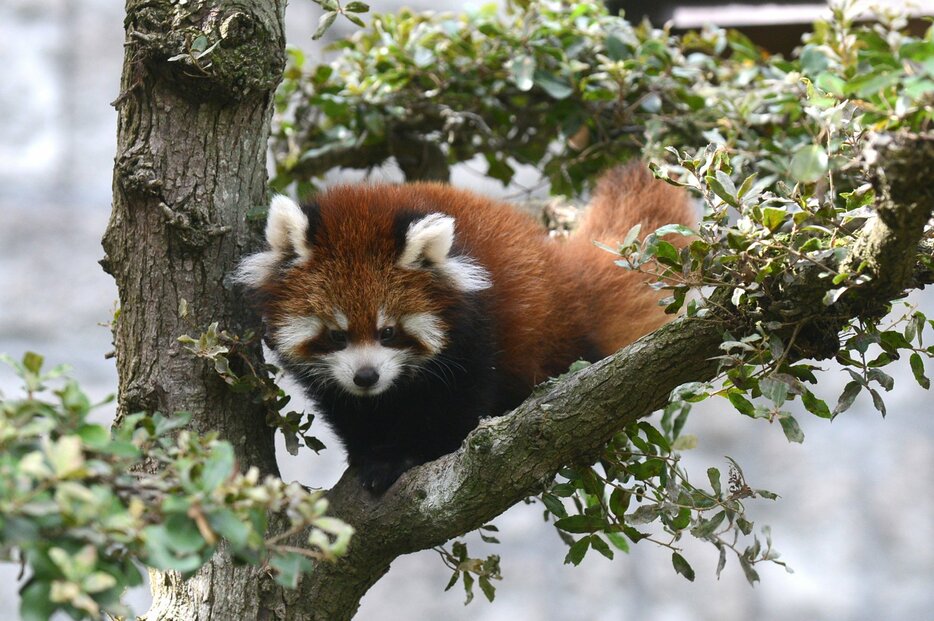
{"x": 377, "y": 475}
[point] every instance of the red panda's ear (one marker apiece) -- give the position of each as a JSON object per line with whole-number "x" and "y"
{"x": 427, "y": 240}
{"x": 287, "y": 235}
{"x": 287, "y": 228}
{"x": 428, "y": 243}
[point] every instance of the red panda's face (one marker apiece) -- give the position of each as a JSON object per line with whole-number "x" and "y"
{"x": 351, "y": 302}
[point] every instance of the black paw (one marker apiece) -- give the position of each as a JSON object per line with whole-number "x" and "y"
{"x": 377, "y": 476}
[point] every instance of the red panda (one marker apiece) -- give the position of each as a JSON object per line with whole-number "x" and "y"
{"x": 409, "y": 312}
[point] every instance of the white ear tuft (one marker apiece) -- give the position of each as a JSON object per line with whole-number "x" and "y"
{"x": 428, "y": 239}
{"x": 287, "y": 228}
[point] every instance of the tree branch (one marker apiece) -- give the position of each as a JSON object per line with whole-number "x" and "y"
{"x": 511, "y": 457}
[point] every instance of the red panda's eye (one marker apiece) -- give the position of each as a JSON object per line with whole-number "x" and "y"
{"x": 387, "y": 333}
{"x": 338, "y": 337}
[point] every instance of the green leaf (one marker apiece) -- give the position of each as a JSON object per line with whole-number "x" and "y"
{"x": 32, "y": 362}
{"x": 218, "y": 467}
{"x": 667, "y": 254}
{"x": 722, "y": 186}
{"x": 577, "y": 551}
{"x": 790, "y": 427}
{"x": 35, "y": 601}
{"x": 847, "y": 397}
{"x": 357, "y": 7}
{"x": 877, "y": 401}
{"x": 557, "y": 87}
{"x": 773, "y": 217}
{"x": 601, "y": 546}
{"x": 619, "y": 542}
{"x": 751, "y": 575}
{"x": 619, "y": 502}
{"x": 230, "y": 527}
{"x": 809, "y": 163}
{"x": 917, "y": 368}
{"x": 581, "y": 523}
{"x": 713, "y": 475}
{"x": 324, "y": 22}
{"x": 707, "y": 527}
{"x": 814, "y": 405}
{"x": 553, "y": 504}
{"x": 774, "y": 390}
{"x": 182, "y": 535}
{"x": 489, "y": 591}
{"x": 616, "y": 49}
{"x": 521, "y": 70}
{"x": 741, "y": 403}
{"x": 290, "y": 566}
{"x": 94, "y": 436}
{"x": 682, "y": 566}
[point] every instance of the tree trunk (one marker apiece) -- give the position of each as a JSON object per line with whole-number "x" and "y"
{"x": 190, "y": 163}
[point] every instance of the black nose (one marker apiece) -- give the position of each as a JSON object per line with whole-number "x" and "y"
{"x": 366, "y": 377}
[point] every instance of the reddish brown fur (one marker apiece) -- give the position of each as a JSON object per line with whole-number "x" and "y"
{"x": 550, "y": 299}
{"x": 622, "y": 308}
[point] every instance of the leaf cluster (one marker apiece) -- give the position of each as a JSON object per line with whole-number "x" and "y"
{"x": 80, "y": 504}
{"x": 571, "y": 90}
{"x": 254, "y": 379}
{"x": 638, "y": 484}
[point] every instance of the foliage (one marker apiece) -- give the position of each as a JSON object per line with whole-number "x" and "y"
{"x": 779, "y": 150}
{"x": 572, "y": 90}
{"x": 255, "y": 380}
{"x": 80, "y": 505}
{"x": 333, "y": 8}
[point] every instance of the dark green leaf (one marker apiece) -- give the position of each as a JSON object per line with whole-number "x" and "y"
{"x": 741, "y": 403}
{"x": 577, "y": 551}
{"x": 877, "y": 401}
{"x": 682, "y": 566}
{"x": 557, "y": 87}
{"x": 713, "y": 475}
{"x": 707, "y": 527}
{"x": 489, "y": 591}
{"x": 790, "y": 427}
{"x": 917, "y": 368}
{"x": 581, "y": 523}
{"x": 847, "y": 397}
{"x": 553, "y": 504}
{"x": 601, "y": 546}
{"x": 814, "y": 405}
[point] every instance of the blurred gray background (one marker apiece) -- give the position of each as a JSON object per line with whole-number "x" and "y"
{"x": 856, "y": 517}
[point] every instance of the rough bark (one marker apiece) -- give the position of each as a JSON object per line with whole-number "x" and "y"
{"x": 191, "y": 154}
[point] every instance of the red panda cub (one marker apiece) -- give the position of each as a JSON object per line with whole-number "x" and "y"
{"x": 409, "y": 312}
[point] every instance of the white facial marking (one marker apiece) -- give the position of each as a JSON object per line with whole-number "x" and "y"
{"x": 426, "y": 328}
{"x": 467, "y": 274}
{"x": 256, "y": 269}
{"x": 341, "y": 320}
{"x": 295, "y": 331}
{"x": 429, "y": 238}
{"x": 383, "y": 320}
{"x": 388, "y": 363}
{"x": 286, "y": 227}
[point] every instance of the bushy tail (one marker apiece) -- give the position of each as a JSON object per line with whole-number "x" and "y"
{"x": 621, "y": 307}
